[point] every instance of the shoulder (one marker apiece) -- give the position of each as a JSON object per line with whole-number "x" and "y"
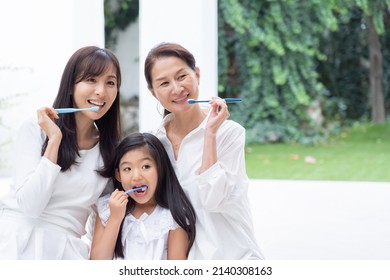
{"x": 231, "y": 129}
{"x": 230, "y": 124}
{"x": 164, "y": 218}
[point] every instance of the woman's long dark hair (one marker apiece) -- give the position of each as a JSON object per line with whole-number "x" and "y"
{"x": 169, "y": 193}
{"x": 166, "y": 50}
{"x": 87, "y": 62}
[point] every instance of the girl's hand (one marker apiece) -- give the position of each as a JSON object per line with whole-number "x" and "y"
{"x": 46, "y": 116}
{"x": 219, "y": 113}
{"x": 118, "y": 202}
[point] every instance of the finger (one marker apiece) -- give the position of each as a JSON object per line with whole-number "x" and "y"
{"x": 47, "y": 111}
{"x": 53, "y": 113}
{"x": 124, "y": 200}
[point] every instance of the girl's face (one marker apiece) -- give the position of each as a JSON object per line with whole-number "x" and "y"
{"x": 137, "y": 168}
{"x": 173, "y": 83}
{"x": 99, "y": 91}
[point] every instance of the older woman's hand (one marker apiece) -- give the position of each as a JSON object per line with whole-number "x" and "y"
{"x": 219, "y": 113}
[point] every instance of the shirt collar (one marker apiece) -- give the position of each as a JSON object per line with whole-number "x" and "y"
{"x": 204, "y": 107}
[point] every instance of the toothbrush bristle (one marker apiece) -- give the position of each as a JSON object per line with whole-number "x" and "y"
{"x": 95, "y": 108}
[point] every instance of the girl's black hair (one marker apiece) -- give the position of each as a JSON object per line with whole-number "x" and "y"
{"x": 169, "y": 193}
{"x": 86, "y": 62}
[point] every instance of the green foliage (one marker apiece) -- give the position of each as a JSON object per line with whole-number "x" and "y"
{"x": 385, "y": 42}
{"x": 267, "y": 54}
{"x": 375, "y": 8}
{"x": 118, "y": 15}
{"x": 345, "y": 73}
{"x": 300, "y": 73}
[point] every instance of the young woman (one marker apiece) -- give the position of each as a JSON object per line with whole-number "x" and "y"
{"x": 156, "y": 222}
{"x": 58, "y": 158}
{"x": 207, "y": 152}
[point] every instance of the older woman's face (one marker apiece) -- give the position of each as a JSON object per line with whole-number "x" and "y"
{"x": 173, "y": 83}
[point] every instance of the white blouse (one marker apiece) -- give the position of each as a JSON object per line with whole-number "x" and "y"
{"x": 224, "y": 228}
{"x": 145, "y": 238}
{"x": 45, "y": 212}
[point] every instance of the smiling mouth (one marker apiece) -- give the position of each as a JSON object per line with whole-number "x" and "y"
{"x": 96, "y": 103}
{"x": 179, "y": 100}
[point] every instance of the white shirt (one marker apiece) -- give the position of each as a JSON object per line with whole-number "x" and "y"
{"x": 145, "y": 238}
{"x": 47, "y": 206}
{"x": 224, "y": 228}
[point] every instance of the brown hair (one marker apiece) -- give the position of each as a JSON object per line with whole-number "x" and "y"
{"x": 87, "y": 62}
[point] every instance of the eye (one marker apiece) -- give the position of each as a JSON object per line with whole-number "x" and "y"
{"x": 126, "y": 169}
{"x": 182, "y": 77}
{"x": 146, "y": 166}
{"x": 91, "y": 79}
{"x": 164, "y": 84}
{"x": 111, "y": 83}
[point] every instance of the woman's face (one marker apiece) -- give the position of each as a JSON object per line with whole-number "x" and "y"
{"x": 138, "y": 168}
{"x": 173, "y": 83}
{"x": 99, "y": 91}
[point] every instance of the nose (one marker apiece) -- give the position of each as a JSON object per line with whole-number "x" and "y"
{"x": 99, "y": 89}
{"x": 137, "y": 174}
{"x": 176, "y": 87}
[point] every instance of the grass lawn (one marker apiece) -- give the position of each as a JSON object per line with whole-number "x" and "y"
{"x": 361, "y": 154}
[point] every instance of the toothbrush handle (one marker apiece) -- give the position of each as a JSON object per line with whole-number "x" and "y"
{"x": 202, "y": 101}
{"x": 232, "y": 100}
{"x": 126, "y": 192}
{"x": 65, "y": 110}
{"x": 73, "y": 110}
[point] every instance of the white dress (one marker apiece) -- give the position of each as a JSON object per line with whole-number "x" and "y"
{"x": 145, "y": 238}
{"x": 44, "y": 214}
{"x": 224, "y": 228}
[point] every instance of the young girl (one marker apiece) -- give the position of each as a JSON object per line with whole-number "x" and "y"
{"x": 56, "y": 181}
{"x": 155, "y": 223}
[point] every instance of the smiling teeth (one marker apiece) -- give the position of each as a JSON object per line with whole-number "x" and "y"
{"x": 181, "y": 99}
{"x": 96, "y": 103}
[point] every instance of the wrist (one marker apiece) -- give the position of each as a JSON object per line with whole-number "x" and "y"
{"x": 55, "y": 140}
{"x": 210, "y": 133}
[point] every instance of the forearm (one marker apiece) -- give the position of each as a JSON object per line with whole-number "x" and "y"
{"x": 103, "y": 247}
{"x": 227, "y": 177}
{"x": 209, "y": 157}
{"x": 34, "y": 175}
{"x": 34, "y": 190}
{"x": 53, "y": 146}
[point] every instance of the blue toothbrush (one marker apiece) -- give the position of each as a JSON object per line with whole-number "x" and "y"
{"x": 73, "y": 110}
{"x": 228, "y": 100}
{"x": 140, "y": 188}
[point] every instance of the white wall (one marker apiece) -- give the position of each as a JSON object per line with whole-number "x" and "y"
{"x": 38, "y": 37}
{"x": 191, "y": 23}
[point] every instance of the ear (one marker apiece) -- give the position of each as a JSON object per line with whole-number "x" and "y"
{"x": 197, "y": 73}
{"x": 117, "y": 175}
{"x": 152, "y": 91}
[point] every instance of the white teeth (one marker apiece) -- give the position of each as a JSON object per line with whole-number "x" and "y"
{"x": 96, "y": 103}
{"x": 181, "y": 99}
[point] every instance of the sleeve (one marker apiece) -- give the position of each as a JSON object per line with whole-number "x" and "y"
{"x": 103, "y": 208}
{"x": 34, "y": 175}
{"x": 225, "y": 181}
